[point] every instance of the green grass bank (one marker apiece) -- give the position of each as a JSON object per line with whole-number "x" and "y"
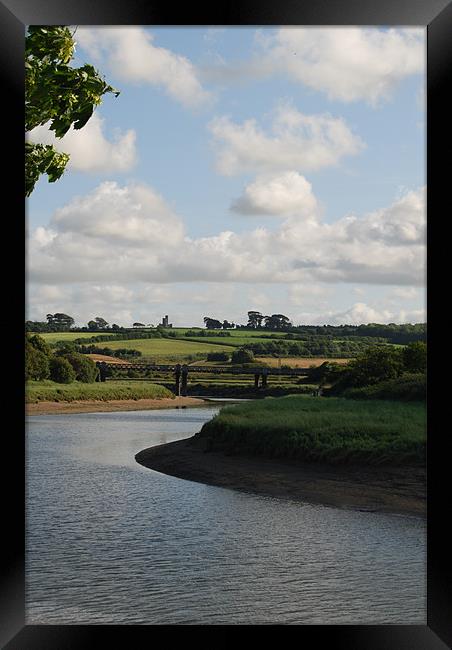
{"x": 49, "y": 391}
{"x": 331, "y": 430}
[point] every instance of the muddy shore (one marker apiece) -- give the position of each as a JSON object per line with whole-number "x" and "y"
{"x": 95, "y": 406}
{"x": 398, "y": 490}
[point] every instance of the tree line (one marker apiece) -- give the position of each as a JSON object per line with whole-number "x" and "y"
{"x": 64, "y": 365}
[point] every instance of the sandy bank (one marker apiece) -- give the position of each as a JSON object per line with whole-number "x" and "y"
{"x": 94, "y": 406}
{"x": 398, "y": 490}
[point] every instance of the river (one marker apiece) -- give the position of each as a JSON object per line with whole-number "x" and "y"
{"x": 111, "y": 542}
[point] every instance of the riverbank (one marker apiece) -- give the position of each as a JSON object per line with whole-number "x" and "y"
{"x": 101, "y": 406}
{"x": 397, "y": 490}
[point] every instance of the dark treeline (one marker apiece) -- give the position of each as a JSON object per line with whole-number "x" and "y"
{"x": 120, "y": 353}
{"x": 380, "y": 372}
{"x": 392, "y": 333}
{"x": 310, "y": 347}
{"x": 63, "y": 365}
{"x": 127, "y": 335}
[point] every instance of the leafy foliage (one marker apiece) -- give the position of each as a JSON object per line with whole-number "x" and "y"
{"x": 61, "y": 370}
{"x": 58, "y": 94}
{"x": 85, "y": 369}
{"x": 242, "y": 355}
{"x": 36, "y": 363}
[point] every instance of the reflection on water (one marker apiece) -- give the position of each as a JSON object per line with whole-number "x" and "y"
{"x": 109, "y": 541}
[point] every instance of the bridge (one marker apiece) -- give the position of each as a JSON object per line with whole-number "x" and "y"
{"x": 181, "y": 372}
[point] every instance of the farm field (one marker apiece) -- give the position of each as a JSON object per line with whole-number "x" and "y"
{"x": 53, "y": 337}
{"x": 169, "y": 349}
{"x": 298, "y": 362}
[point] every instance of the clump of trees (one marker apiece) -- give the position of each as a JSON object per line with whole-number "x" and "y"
{"x": 242, "y": 355}
{"x": 121, "y": 353}
{"x": 64, "y": 366}
{"x": 214, "y": 324}
{"x": 97, "y": 324}
{"x": 218, "y": 356}
{"x": 382, "y": 371}
{"x": 37, "y": 356}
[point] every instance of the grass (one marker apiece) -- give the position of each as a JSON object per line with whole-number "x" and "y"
{"x": 332, "y": 430}
{"x": 53, "y": 337}
{"x": 49, "y": 391}
{"x": 166, "y": 348}
{"x": 298, "y": 362}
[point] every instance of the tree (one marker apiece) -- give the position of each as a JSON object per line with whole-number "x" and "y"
{"x": 139, "y": 325}
{"x": 58, "y": 94}
{"x": 277, "y": 322}
{"x": 36, "y": 363}
{"x": 212, "y": 323}
{"x": 374, "y": 365}
{"x": 61, "y": 370}
{"x": 101, "y": 323}
{"x": 92, "y": 325}
{"x": 84, "y": 368}
{"x": 255, "y": 319}
{"x": 242, "y": 355}
{"x": 227, "y": 326}
{"x": 60, "y": 322}
{"x": 415, "y": 357}
{"x": 40, "y": 344}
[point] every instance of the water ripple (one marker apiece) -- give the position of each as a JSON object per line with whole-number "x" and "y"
{"x": 109, "y": 542}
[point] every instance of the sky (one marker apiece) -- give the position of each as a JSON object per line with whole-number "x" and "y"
{"x": 280, "y": 170}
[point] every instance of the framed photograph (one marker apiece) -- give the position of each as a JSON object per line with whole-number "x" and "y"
{"x": 223, "y": 205}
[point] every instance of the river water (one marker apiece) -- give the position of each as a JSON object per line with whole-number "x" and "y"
{"x": 111, "y": 542}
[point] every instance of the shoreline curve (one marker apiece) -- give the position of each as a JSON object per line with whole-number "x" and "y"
{"x": 106, "y": 406}
{"x": 395, "y": 490}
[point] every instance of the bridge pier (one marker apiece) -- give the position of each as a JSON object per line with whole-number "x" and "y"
{"x": 184, "y": 380}
{"x": 177, "y": 374}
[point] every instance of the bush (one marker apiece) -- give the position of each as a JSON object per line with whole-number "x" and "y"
{"x": 85, "y": 369}
{"x": 242, "y": 355}
{"x": 65, "y": 347}
{"x": 415, "y": 357}
{"x": 40, "y": 344}
{"x": 61, "y": 370}
{"x": 408, "y": 388}
{"x": 36, "y": 363}
{"x": 218, "y": 356}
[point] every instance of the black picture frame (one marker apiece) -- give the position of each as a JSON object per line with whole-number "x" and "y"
{"x": 436, "y": 16}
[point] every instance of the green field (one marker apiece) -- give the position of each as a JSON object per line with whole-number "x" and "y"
{"x": 38, "y": 391}
{"x": 237, "y": 338}
{"x": 330, "y": 429}
{"x": 169, "y": 349}
{"x": 53, "y": 337}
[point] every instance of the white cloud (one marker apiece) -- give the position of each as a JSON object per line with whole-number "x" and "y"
{"x": 360, "y": 312}
{"x": 284, "y": 194}
{"x": 129, "y": 234}
{"x": 89, "y": 148}
{"x": 132, "y": 215}
{"x": 347, "y": 63}
{"x": 131, "y": 55}
{"x": 296, "y": 141}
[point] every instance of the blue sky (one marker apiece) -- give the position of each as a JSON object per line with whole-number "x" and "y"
{"x": 279, "y": 169}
